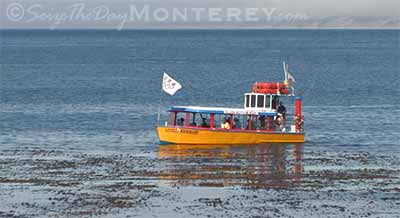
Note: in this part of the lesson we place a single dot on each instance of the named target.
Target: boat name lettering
(236, 112)
(184, 131)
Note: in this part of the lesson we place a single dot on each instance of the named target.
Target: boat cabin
(260, 113)
(257, 101)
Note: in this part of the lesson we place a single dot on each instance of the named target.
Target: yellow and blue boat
(263, 119)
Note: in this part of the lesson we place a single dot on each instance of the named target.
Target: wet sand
(199, 181)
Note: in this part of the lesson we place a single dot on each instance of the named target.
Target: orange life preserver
(271, 91)
(266, 91)
(268, 85)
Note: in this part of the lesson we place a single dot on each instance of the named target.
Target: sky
(126, 14)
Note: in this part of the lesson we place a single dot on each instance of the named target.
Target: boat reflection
(261, 166)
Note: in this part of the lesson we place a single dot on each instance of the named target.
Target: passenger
(225, 124)
(282, 110)
(298, 122)
(262, 121)
(270, 125)
(237, 124)
(204, 122)
(281, 122)
(181, 122)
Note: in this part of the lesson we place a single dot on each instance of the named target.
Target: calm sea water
(87, 88)
(98, 92)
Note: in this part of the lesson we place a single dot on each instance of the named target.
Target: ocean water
(71, 98)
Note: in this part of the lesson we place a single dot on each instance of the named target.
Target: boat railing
(287, 127)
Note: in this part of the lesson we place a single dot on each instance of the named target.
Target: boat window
(275, 102)
(260, 101)
(218, 120)
(247, 101)
(253, 100)
(203, 120)
(267, 101)
(244, 121)
(193, 119)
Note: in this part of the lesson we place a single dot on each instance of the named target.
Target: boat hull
(189, 135)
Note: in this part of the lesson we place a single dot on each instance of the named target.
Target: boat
(261, 120)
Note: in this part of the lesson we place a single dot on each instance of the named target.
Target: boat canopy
(220, 110)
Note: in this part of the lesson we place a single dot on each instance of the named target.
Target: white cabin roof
(222, 110)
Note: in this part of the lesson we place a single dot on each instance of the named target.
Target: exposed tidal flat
(78, 111)
(243, 181)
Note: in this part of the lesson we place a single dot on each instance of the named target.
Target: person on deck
(281, 122)
(237, 124)
(204, 122)
(252, 121)
(225, 124)
(262, 121)
(228, 123)
(181, 122)
(282, 110)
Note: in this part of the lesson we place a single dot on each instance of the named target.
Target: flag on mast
(291, 78)
(169, 85)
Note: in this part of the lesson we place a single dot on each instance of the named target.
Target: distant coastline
(205, 29)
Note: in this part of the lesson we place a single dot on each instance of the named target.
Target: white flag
(291, 78)
(169, 85)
